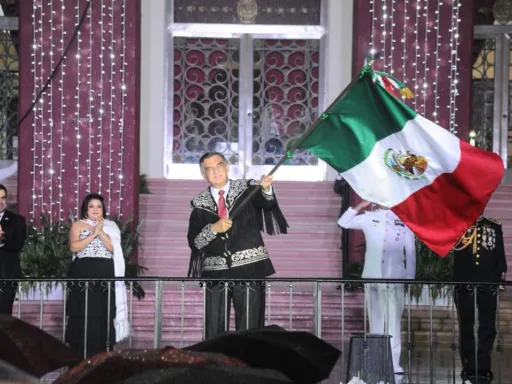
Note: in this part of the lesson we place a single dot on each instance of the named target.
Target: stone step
(420, 339)
(179, 224)
(173, 208)
(164, 187)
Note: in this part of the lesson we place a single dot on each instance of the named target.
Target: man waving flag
(390, 155)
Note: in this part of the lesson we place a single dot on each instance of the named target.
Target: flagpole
(294, 147)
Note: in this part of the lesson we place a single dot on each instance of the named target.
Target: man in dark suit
(232, 248)
(12, 238)
(479, 257)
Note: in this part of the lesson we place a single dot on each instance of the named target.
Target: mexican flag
(390, 155)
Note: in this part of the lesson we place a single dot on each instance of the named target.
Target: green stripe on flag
(348, 130)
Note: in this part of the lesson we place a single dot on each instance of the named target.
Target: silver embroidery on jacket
(205, 237)
(236, 188)
(214, 263)
(248, 256)
(204, 200)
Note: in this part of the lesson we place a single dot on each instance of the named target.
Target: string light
(42, 111)
(90, 99)
(100, 111)
(425, 79)
(49, 152)
(77, 120)
(404, 42)
(416, 53)
(438, 44)
(426, 55)
(383, 34)
(123, 95)
(60, 147)
(112, 113)
(454, 64)
(374, 17)
(62, 122)
(392, 38)
(34, 122)
(472, 136)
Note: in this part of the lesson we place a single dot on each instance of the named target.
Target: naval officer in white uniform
(390, 254)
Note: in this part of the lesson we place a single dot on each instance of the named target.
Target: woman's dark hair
(85, 204)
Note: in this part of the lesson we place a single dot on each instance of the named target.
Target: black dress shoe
(488, 374)
(467, 374)
(484, 377)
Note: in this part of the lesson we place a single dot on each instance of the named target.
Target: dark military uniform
(479, 256)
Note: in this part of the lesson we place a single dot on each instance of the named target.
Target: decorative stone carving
(503, 12)
(247, 10)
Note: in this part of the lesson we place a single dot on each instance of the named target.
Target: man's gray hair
(207, 155)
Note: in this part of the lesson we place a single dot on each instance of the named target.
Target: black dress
(91, 262)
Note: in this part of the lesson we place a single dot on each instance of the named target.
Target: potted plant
(144, 185)
(432, 267)
(46, 254)
(353, 271)
(429, 267)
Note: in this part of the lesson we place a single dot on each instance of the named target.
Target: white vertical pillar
(152, 88)
(339, 53)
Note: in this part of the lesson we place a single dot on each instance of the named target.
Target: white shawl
(121, 323)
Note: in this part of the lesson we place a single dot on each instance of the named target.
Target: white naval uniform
(390, 254)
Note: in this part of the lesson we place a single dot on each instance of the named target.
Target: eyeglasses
(215, 168)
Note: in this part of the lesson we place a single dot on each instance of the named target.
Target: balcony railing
(172, 313)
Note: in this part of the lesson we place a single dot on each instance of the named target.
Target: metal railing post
(157, 332)
(317, 308)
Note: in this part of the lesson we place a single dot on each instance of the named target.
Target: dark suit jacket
(14, 238)
(243, 254)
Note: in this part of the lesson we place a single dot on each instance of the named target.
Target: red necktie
(223, 211)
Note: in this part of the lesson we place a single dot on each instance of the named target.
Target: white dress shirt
(390, 245)
(215, 192)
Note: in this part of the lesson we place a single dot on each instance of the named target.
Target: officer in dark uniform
(479, 256)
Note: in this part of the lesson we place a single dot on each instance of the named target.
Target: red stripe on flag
(440, 213)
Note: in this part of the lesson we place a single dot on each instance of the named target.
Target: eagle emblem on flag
(405, 164)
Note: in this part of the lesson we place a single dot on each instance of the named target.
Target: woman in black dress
(97, 253)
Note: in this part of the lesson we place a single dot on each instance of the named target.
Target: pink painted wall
(84, 135)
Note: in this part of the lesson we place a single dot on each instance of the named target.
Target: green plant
(46, 253)
(431, 267)
(143, 184)
(353, 271)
